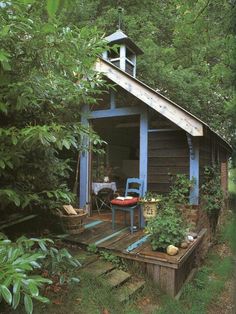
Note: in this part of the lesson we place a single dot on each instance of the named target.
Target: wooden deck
(169, 271)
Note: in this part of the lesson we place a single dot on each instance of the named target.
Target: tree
(188, 51)
(46, 75)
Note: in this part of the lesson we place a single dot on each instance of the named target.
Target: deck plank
(88, 234)
(106, 244)
(126, 241)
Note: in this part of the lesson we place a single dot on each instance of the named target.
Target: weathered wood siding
(205, 156)
(168, 153)
(211, 153)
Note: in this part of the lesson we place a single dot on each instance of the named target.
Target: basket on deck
(73, 223)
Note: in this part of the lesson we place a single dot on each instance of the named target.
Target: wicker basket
(73, 224)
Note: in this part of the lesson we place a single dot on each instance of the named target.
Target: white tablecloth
(97, 186)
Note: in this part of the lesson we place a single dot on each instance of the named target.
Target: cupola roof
(120, 37)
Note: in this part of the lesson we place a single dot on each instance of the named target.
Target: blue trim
(116, 112)
(138, 243)
(194, 169)
(110, 236)
(84, 164)
(143, 149)
(143, 155)
(92, 224)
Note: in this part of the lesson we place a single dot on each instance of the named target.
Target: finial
(120, 12)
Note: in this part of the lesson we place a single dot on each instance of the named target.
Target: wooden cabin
(147, 135)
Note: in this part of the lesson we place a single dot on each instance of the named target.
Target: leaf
(3, 107)
(42, 299)
(28, 304)
(75, 279)
(2, 164)
(16, 286)
(16, 300)
(5, 30)
(33, 289)
(48, 28)
(6, 294)
(52, 6)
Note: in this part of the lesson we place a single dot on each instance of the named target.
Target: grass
(232, 181)
(92, 296)
(207, 284)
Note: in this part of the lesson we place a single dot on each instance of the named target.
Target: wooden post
(105, 55)
(193, 169)
(143, 155)
(84, 163)
(122, 57)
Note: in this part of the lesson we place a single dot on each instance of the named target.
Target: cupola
(125, 56)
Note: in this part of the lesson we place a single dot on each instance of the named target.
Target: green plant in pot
(149, 203)
(167, 228)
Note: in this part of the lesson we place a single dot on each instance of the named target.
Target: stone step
(129, 289)
(85, 258)
(98, 268)
(116, 277)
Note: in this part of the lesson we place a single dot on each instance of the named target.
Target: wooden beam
(166, 108)
(115, 112)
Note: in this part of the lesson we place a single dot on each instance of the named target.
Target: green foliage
(212, 195)
(189, 51)
(117, 261)
(151, 196)
(20, 263)
(180, 188)
(107, 256)
(166, 228)
(204, 289)
(92, 248)
(46, 76)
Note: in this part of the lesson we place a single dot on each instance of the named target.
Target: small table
(97, 187)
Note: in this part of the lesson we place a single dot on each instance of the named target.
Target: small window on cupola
(114, 54)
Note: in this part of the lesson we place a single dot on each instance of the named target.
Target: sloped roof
(119, 37)
(175, 113)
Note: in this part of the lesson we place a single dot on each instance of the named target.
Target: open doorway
(121, 158)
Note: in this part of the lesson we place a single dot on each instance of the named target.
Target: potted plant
(149, 204)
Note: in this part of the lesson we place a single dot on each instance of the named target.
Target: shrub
(166, 228)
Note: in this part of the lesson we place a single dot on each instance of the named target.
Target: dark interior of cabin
(121, 158)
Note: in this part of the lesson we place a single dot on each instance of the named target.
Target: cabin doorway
(121, 158)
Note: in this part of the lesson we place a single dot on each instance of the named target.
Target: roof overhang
(158, 102)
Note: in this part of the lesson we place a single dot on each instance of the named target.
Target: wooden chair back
(134, 185)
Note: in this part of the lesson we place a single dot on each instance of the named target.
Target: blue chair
(133, 186)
